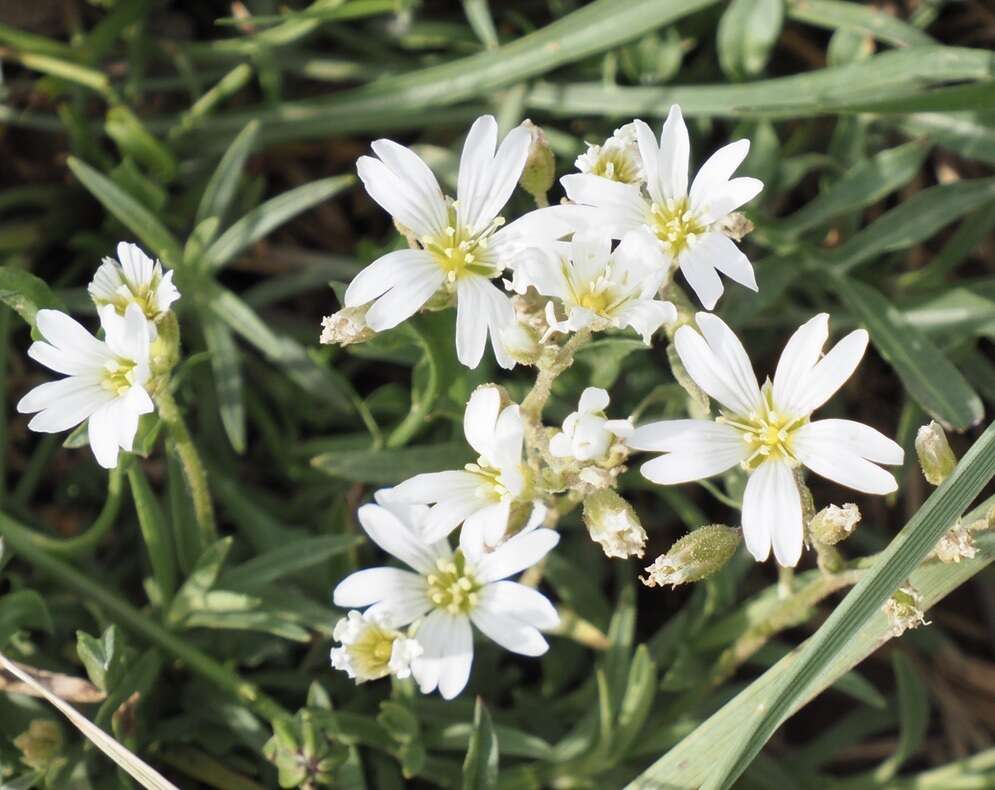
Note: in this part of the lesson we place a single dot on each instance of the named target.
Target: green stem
(193, 467)
(23, 541)
(87, 541)
(422, 403)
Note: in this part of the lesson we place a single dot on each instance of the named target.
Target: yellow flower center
(142, 295)
(119, 376)
(675, 225)
(452, 587)
(459, 251)
(617, 165)
(595, 301)
(371, 652)
(767, 433)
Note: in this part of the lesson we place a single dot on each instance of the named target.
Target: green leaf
(930, 378)
(226, 365)
(26, 294)
(134, 140)
(915, 220)
(155, 533)
(480, 768)
(858, 18)
(290, 559)
(747, 33)
(866, 183)
(386, 467)
(270, 215)
(142, 222)
(193, 594)
(913, 715)
(105, 658)
(224, 181)
(22, 609)
(640, 692)
(890, 569)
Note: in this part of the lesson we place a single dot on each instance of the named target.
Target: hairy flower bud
(346, 327)
(522, 343)
(612, 522)
(935, 456)
(834, 524)
(694, 557)
(957, 543)
(540, 166)
(904, 610)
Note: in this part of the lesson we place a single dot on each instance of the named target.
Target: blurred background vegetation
(222, 137)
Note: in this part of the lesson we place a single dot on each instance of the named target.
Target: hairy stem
(193, 467)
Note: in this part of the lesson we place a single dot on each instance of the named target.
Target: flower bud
(540, 166)
(521, 343)
(612, 522)
(956, 544)
(935, 456)
(370, 650)
(904, 610)
(41, 744)
(834, 524)
(694, 557)
(346, 327)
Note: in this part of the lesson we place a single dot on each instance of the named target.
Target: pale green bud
(540, 166)
(346, 327)
(834, 524)
(904, 610)
(935, 456)
(694, 557)
(521, 342)
(612, 523)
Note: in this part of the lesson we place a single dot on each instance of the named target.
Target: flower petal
(372, 585)
(65, 403)
(675, 155)
(383, 274)
(794, 368)
(728, 198)
(516, 554)
(699, 270)
(621, 207)
(843, 451)
(448, 653)
(727, 258)
(417, 175)
(402, 196)
(718, 363)
(521, 602)
(416, 283)
(714, 175)
(509, 632)
(685, 436)
(397, 538)
(593, 399)
(480, 419)
(832, 371)
(649, 153)
(71, 339)
(488, 524)
(102, 431)
(772, 514)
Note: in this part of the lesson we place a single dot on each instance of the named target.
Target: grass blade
(226, 364)
(221, 187)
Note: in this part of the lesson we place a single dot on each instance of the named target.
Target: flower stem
(193, 467)
(23, 541)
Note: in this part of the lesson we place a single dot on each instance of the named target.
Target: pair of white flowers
(107, 381)
(460, 247)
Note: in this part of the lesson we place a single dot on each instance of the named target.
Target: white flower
(684, 223)
(106, 379)
(617, 159)
(460, 244)
(479, 496)
(448, 591)
(135, 280)
(597, 287)
(371, 649)
(587, 434)
(768, 431)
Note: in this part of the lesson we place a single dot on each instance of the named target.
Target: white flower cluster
(108, 382)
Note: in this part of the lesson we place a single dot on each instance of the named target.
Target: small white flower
(460, 242)
(684, 223)
(598, 287)
(135, 280)
(768, 431)
(587, 434)
(106, 379)
(370, 649)
(446, 591)
(479, 496)
(617, 159)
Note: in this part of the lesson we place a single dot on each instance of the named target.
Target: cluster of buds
(303, 752)
(590, 449)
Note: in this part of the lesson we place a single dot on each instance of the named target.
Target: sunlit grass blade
(226, 365)
(224, 181)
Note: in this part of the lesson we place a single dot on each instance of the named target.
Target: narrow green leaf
(640, 692)
(142, 222)
(22, 609)
(193, 594)
(480, 768)
(26, 294)
(913, 717)
(274, 212)
(915, 220)
(858, 18)
(226, 364)
(478, 14)
(387, 467)
(290, 559)
(891, 568)
(224, 181)
(747, 33)
(930, 378)
(134, 140)
(155, 532)
(865, 184)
